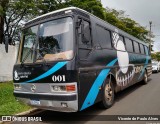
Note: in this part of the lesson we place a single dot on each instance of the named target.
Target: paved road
(136, 100)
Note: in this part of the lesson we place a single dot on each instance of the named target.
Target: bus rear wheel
(145, 78)
(108, 94)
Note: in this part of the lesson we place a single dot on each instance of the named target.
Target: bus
(69, 60)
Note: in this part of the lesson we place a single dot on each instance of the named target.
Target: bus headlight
(63, 88)
(17, 86)
(58, 88)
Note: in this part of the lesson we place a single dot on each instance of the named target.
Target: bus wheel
(145, 78)
(108, 94)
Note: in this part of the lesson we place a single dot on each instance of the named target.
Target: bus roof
(56, 11)
(76, 8)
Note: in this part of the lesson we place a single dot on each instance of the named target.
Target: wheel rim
(108, 92)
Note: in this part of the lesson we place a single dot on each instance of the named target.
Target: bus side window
(120, 47)
(129, 45)
(84, 39)
(84, 33)
(104, 37)
(142, 49)
(136, 47)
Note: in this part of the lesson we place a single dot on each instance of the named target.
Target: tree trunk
(4, 4)
(1, 29)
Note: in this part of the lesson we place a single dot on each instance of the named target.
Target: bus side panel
(141, 63)
(91, 80)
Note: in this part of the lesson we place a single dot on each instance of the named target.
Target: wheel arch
(113, 78)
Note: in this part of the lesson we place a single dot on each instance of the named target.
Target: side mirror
(6, 44)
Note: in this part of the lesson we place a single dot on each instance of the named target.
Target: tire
(108, 95)
(145, 78)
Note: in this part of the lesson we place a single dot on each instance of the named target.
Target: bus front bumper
(55, 102)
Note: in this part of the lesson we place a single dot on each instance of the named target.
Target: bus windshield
(49, 41)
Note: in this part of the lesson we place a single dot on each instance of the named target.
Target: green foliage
(1, 10)
(18, 10)
(156, 56)
(118, 19)
(8, 103)
(46, 6)
(153, 56)
(92, 6)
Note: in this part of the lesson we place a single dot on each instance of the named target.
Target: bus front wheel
(108, 94)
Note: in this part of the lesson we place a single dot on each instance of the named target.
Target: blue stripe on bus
(92, 95)
(146, 63)
(55, 68)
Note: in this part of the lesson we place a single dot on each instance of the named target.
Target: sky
(142, 11)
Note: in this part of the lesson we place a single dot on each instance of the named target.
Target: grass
(8, 103)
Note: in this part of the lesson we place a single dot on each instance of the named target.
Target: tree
(156, 56)
(122, 21)
(12, 12)
(16, 12)
(46, 6)
(153, 56)
(3, 6)
(92, 6)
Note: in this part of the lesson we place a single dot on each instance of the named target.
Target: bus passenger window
(104, 37)
(84, 34)
(142, 49)
(129, 45)
(121, 46)
(136, 47)
(84, 39)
